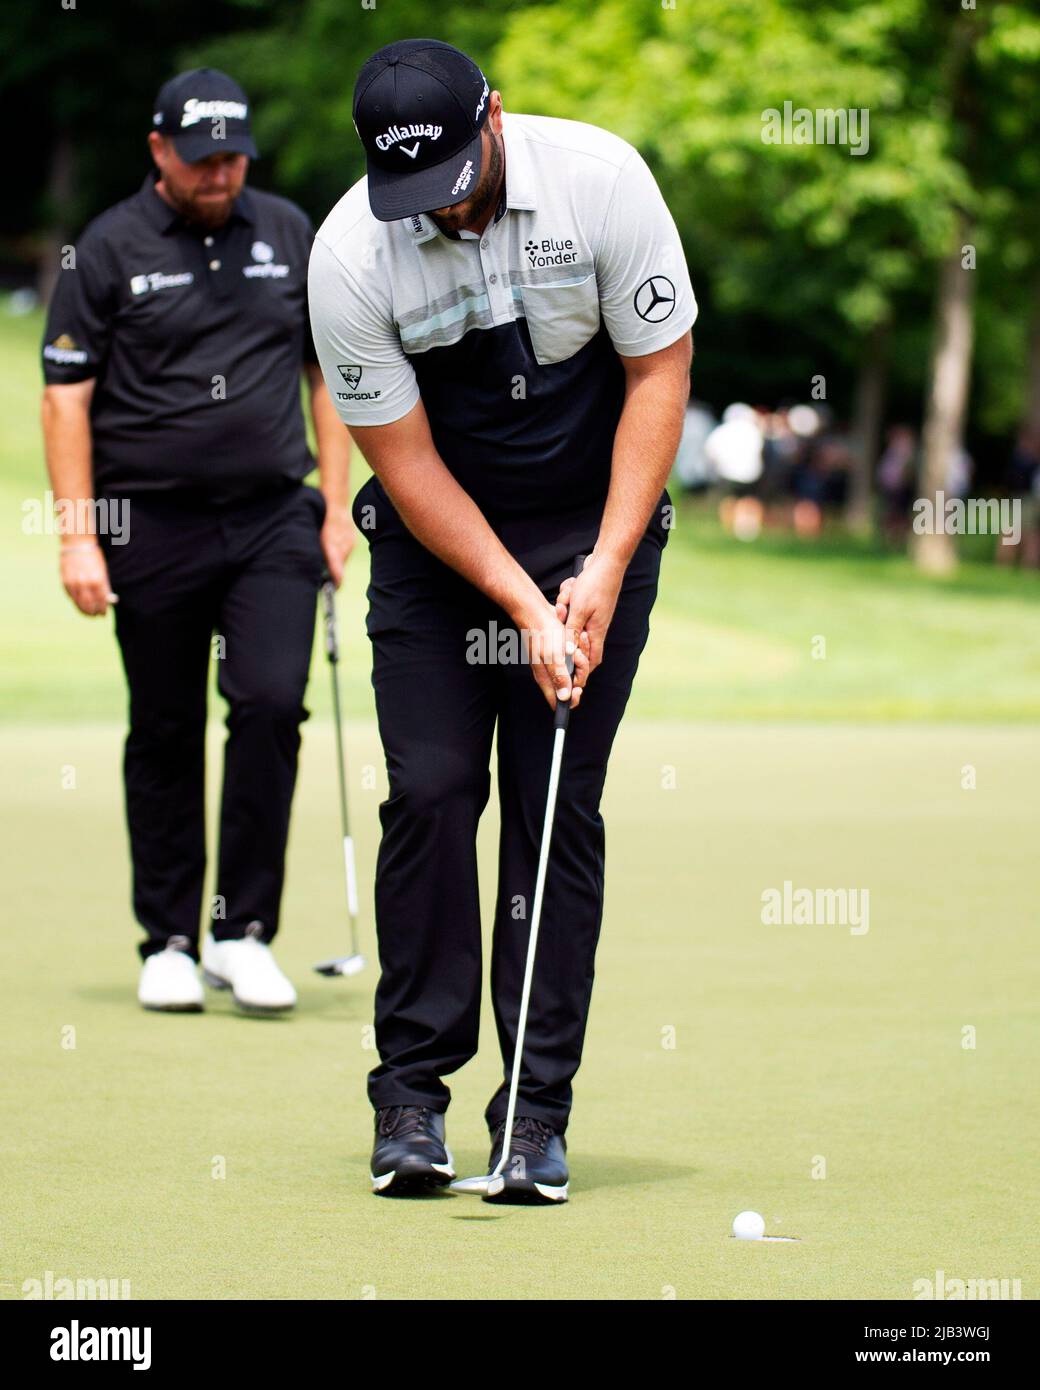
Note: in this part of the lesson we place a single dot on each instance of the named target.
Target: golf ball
(749, 1226)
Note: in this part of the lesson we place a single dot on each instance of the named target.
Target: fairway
(792, 1044)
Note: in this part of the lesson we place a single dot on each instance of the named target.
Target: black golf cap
(419, 107)
(204, 112)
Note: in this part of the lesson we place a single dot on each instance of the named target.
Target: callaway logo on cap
(204, 112)
(419, 106)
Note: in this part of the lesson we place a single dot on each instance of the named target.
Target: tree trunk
(949, 375)
(61, 185)
(867, 414)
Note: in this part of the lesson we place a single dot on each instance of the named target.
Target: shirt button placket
(496, 282)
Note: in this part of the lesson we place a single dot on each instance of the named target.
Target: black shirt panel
(196, 339)
(532, 445)
(520, 438)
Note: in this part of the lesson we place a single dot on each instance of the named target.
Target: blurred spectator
(959, 473)
(691, 462)
(734, 451)
(781, 451)
(791, 468)
(896, 473)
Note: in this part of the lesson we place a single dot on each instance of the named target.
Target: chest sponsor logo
(144, 284)
(463, 180)
(398, 134)
(264, 267)
(654, 300)
(64, 351)
(551, 251)
(351, 375)
(195, 111)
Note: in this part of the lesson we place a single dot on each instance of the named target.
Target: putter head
(489, 1186)
(342, 965)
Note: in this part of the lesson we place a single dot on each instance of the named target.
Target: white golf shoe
(169, 981)
(248, 969)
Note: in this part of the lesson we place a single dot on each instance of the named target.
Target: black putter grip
(328, 604)
(563, 707)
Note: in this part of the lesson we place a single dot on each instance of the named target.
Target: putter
(494, 1182)
(355, 962)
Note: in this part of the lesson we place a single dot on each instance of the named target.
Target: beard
(200, 211)
(475, 207)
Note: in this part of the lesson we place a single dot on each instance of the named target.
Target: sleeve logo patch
(65, 351)
(351, 375)
(654, 300)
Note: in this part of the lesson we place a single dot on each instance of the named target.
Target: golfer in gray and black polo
(502, 313)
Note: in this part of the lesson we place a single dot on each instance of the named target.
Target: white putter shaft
(355, 962)
(350, 866)
(493, 1183)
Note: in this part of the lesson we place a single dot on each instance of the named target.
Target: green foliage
(804, 247)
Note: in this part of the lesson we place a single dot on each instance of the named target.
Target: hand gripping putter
(355, 962)
(494, 1183)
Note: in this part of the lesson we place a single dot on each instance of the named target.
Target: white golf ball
(749, 1226)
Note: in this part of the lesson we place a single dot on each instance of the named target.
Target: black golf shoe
(536, 1169)
(410, 1156)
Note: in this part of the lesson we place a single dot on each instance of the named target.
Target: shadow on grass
(591, 1172)
(326, 1006)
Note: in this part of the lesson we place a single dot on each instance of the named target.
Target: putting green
(794, 1046)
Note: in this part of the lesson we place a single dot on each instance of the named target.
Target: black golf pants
(238, 581)
(438, 713)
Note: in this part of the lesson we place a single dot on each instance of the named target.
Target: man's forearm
(645, 446)
(446, 520)
(443, 517)
(68, 451)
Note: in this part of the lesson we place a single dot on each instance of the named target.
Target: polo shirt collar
(520, 192)
(519, 183)
(420, 228)
(156, 209)
(167, 219)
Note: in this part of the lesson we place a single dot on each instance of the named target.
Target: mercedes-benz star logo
(655, 299)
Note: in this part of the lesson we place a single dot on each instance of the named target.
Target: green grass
(791, 1043)
(733, 629)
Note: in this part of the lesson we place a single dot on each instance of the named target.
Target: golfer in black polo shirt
(503, 311)
(177, 451)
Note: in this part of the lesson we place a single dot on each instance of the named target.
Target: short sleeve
(79, 319)
(646, 298)
(365, 368)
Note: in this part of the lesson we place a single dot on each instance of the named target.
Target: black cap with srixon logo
(419, 107)
(204, 112)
